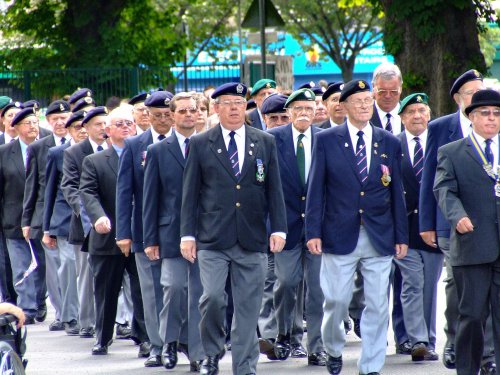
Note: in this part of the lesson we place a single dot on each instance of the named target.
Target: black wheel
(10, 363)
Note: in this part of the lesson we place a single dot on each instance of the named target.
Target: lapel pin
(383, 156)
(219, 151)
(375, 152)
(375, 144)
(346, 144)
(250, 152)
(251, 144)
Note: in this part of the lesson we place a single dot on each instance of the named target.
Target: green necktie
(301, 159)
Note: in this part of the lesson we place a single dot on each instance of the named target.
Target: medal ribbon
(482, 156)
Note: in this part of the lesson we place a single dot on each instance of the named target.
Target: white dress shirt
(94, 145)
(411, 143)
(367, 137)
(395, 119)
(181, 139)
(155, 134)
(307, 143)
(465, 124)
(239, 138)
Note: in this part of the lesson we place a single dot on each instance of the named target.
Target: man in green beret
(261, 90)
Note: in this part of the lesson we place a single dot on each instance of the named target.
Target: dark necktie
(361, 157)
(161, 137)
(99, 148)
(418, 159)
(488, 153)
(63, 140)
(186, 148)
(388, 125)
(232, 150)
(12, 139)
(301, 159)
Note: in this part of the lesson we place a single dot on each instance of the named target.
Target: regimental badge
(361, 85)
(386, 175)
(419, 99)
(488, 168)
(89, 94)
(307, 94)
(167, 101)
(260, 175)
(35, 106)
(375, 144)
(268, 85)
(239, 88)
(312, 84)
(34, 110)
(106, 110)
(88, 100)
(341, 87)
(17, 104)
(61, 107)
(143, 157)
(497, 185)
(148, 95)
(476, 73)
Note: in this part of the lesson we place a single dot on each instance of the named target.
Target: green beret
(4, 100)
(302, 94)
(263, 84)
(418, 97)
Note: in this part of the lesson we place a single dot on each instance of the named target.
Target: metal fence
(48, 85)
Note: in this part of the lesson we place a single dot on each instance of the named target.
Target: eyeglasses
(488, 112)
(183, 111)
(469, 92)
(385, 92)
(282, 118)
(411, 112)
(77, 127)
(359, 103)
(232, 103)
(29, 123)
(123, 123)
(299, 109)
(159, 116)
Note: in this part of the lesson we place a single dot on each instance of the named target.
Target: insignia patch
(476, 73)
(268, 85)
(239, 88)
(61, 107)
(88, 100)
(419, 99)
(307, 94)
(361, 85)
(106, 110)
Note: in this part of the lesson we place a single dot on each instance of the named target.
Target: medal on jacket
(386, 176)
(260, 176)
(497, 185)
(488, 168)
(143, 158)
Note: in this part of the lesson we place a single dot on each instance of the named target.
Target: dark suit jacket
(222, 211)
(255, 120)
(70, 185)
(129, 190)
(463, 188)
(12, 181)
(56, 211)
(442, 130)
(34, 190)
(163, 196)
(324, 125)
(338, 201)
(412, 191)
(97, 189)
(293, 191)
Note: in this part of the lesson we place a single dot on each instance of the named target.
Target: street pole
(262, 19)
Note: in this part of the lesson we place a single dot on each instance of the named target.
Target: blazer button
(303, 215)
(238, 187)
(361, 211)
(362, 193)
(415, 211)
(303, 198)
(238, 204)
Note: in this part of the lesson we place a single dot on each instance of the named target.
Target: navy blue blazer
(56, 211)
(293, 191)
(337, 201)
(255, 120)
(161, 211)
(129, 190)
(412, 191)
(442, 130)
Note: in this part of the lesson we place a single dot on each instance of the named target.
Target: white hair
(123, 112)
(387, 71)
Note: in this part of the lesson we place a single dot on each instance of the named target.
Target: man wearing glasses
(231, 188)
(356, 218)
(336, 112)
(140, 112)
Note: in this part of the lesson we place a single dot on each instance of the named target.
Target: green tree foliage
(341, 28)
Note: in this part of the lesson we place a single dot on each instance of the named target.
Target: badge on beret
(341, 87)
(419, 99)
(106, 110)
(307, 94)
(239, 88)
(167, 101)
(34, 110)
(476, 73)
(268, 85)
(88, 100)
(61, 107)
(361, 85)
(17, 104)
(35, 106)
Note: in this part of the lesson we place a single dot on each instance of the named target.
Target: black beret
(82, 103)
(22, 114)
(79, 94)
(353, 87)
(470, 75)
(58, 106)
(138, 98)
(251, 104)
(483, 98)
(274, 103)
(159, 99)
(231, 88)
(332, 89)
(32, 104)
(11, 105)
(97, 111)
(76, 116)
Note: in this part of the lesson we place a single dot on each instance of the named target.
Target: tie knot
(301, 136)
(416, 139)
(63, 140)
(99, 148)
(388, 116)
(360, 133)
(186, 141)
(161, 137)
(488, 141)
(232, 133)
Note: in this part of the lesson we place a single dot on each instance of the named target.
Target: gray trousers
(85, 287)
(152, 298)
(53, 264)
(248, 271)
(66, 275)
(125, 309)
(420, 272)
(291, 268)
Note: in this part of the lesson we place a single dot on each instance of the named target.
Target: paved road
(55, 353)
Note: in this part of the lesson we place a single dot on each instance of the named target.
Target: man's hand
(464, 225)
(102, 225)
(125, 246)
(26, 233)
(314, 246)
(48, 241)
(401, 250)
(276, 243)
(152, 252)
(429, 238)
(188, 250)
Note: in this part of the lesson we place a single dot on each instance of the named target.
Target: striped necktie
(418, 159)
(388, 125)
(232, 150)
(361, 157)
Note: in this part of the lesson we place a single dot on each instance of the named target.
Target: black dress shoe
(431, 355)
(41, 313)
(418, 352)
(195, 366)
(298, 351)
(123, 331)
(489, 368)
(357, 326)
(72, 328)
(144, 349)
(449, 357)
(266, 346)
(210, 365)
(99, 349)
(317, 359)
(183, 348)
(87, 332)
(282, 347)
(404, 348)
(371, 373)
(333, 364)
(169, 355)
(56, 325)
(153, 361)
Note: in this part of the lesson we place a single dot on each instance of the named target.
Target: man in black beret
(467, 188)
(79, 93)
(274, 111)
(140, 112)
(336, 112)
(261, 90)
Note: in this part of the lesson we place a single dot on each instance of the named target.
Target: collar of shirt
(72, 142)
(239, 138)
(155, 134)
(307, 143)
(411, 142)
(118, 150)
(57, 139)
(367, 137)
(262, 122)
(493, 146)
(296, 133)
(333, 124)
(395, 119)
(23, 145)
(94, 145)
(465, 125)
(138, 130)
